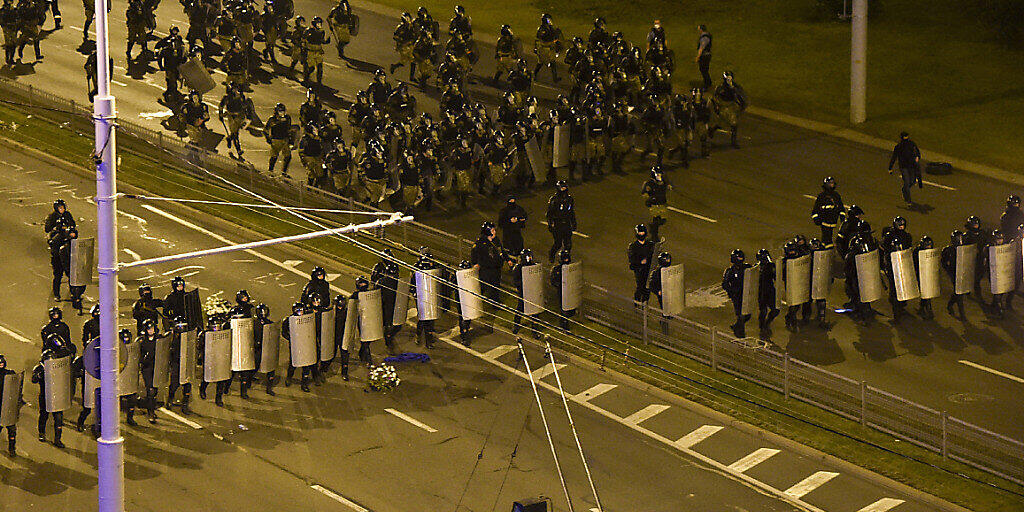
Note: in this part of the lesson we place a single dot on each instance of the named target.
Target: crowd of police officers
(892, 265)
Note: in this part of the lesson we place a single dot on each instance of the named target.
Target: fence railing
(795, 379)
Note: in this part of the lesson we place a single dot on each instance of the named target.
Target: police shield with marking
(427, 307)
(128, 377)
(904, 275)
(468, 281)
(57, 373)
(821, 273)
(162, 362)
(560, 154)
(1001, 268)
(195, 75)
(371, 318)
(80, 272)
(243, 354)
(869, 281)
(327, 345)
(401, 314)
(536, 159)
(189, 356)
(966, 265)
(10, 397)
(749, 293)
(572, 285)
(302, 339)
(928, 273)
(798, 280)
(673, 293)
(217, 358)
(533, 289)
(270, 348)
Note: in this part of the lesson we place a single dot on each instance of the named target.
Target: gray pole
(110, 447)
(858, 62)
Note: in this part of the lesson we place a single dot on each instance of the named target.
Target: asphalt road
(342, 448)
(758, 196)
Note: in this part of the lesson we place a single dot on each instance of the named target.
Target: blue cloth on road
(408, 356)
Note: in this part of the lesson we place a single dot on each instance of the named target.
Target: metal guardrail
(796, 380)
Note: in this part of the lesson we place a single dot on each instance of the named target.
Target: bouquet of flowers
(383, 377)
(216, 308)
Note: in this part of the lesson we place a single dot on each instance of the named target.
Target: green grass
(745, 401)
(932, 69)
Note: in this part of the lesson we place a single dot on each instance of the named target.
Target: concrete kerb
(637, 384)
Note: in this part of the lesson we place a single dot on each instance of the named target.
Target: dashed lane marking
(943, 187)
(754, 458)
(410, 419)
(691, 214)
(15, 335)
(801, 488)
(992, 371)
(812, 198)
(180, 418)
(645, 414)
(546, 370)
(577, 233)
(595, 391)
(337, 497)
(882, 505)
(698, 435)
(135, 256)
(500, 350)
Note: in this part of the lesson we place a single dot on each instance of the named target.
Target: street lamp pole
(110, 447)
(858, 62)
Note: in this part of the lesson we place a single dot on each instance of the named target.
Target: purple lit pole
(110, 448)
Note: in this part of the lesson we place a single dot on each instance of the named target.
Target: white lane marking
(330, 65)
(992, 371)
(646, 413)
(180, 418)
(224, 240)
(115, 82)
(15, 335)
(135, 256)
(410, 419)
(754, 458)
(577, 233)
(331, 277)
(691, 214)
(121, 286)
(882, 505)
(292, 263)
(752, 483)
(801, 488)
(546, 370)
(337, 497)
(812, 198)
(932, 183)
(156, 115)
(500, 350)
(595, 391)
(219, 437)
(698, 435)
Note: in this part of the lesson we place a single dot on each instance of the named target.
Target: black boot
(305, 384)
(57, 431)
(10, 447)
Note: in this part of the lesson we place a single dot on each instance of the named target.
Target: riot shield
(327, 344)
(904, 276)
(1001, 272)
(533, 289)
(302, 339)
(348, 337)
(470, 304)
(89, 391)
(217, 356)
(869, 281)
(673, 293)
(537, 164)
(243, 344)
(966, 266)
(193, 310)
(821, 274)
(128, 377)
(353, 24)
(80, 273)
(196, 76)
(798, 280)
(572, 285)
(271, 348)
(401, 314)
(749, 293)
(560, 154)
(10, 399)
(187, 357)
(427, 307)
(371, 318)
(928, 272)
(162, 362)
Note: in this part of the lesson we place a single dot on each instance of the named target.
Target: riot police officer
(521, 318)
(512, 221)
(424, 328)
(278, 132)
(71, 233)
(730, 101)
(561, 218)
(384, 276)
(170, 54)
(57, 239)
(55, 326)
(12, 430)
(828, 210)
(314, 41)
(861, 242)
(53, 348)
(60, 217)
(147, 363)
(895, 239)
(974, 234)
(1012, 217)
(925, 304)
(317, 283)
(847, 229)
(640, 252)
(656, 189)
(820, 305)
(243, 308)
(214, 323)
(263, 318)
(488, 257)
(342, 20)
(949, 263)
(340, 318)
(999, 300)
(179, 331)
(564, 258)
(732, 283)
(547, 45)
(766, 310)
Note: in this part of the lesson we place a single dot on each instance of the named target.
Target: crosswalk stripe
(595, 391)
(546, 370)
(645, 414)
(882, 505)
(499, 351)
(754, 458)
(801, 488)
(697, 436)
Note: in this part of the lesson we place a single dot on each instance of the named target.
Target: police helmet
(242, 296)
(816, 244)
(562, 185)
(956, 237)
(317, 20)
(3, 362)
(1013, 201)
(564, 256)
(998, 237)
(125, 336)
(899, 222)
(526, 256)
(464, 264)
(362, 283)
(95, 311)
(764, 257)
(737, 256)
(148, 324)
(854, 210)
(318, 273)
(926, 242)
(178, 280)
(145, 290)
(973, 222)
(55, 313)
(262, 311)
(640, 230)
(829, 182)
(656, 172)
(59, 203)
(280, 108)
(664, 259)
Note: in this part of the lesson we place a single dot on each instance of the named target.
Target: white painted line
(293, 263)
(121, 286)
(331, 277)
(115, 82)
(15, 335)
(577, 233)
(993, 372)
(932, 183)
(546, 370)
(754, 458)
(135, 256)
(595, 391)
(330, 65)
(412, 420)
(812, 198)
(499, 351)
(691, 214)
(180, 418)
(702, 433)
(882, 505)
(337, 497)
(801, 488)
(218, 436)
(645, 414)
